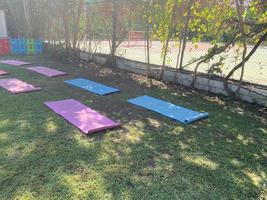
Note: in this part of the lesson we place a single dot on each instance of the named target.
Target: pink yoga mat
(2, 72)
(46, 71)
(81, 116)
(16, 86)
(14, 62)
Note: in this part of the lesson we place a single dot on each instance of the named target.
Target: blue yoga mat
(92, 86)
(167, 109)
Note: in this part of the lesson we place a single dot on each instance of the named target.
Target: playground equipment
(24, 46)
(4, 47)
(137, 38)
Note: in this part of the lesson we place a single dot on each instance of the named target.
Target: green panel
(30, 46)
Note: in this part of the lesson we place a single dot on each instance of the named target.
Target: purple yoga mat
(46, 71)
(2, 72)
(14, 62)
(81, 116)
(16, 86)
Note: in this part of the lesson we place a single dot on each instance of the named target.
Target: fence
(255, 72)
(255, 69)
(209, 84)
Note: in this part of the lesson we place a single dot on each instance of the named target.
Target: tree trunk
(177, 62)
(243, 38)
(148, 53)
(27, 17)
(76, 24)
(185, 32)
(260, 41)
(112, 58)
(168, 39)
(66, 18)
(13, 14)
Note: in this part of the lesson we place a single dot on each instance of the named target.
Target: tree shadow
(150, 157)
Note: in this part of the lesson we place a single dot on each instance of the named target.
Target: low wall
(202, 83)
(213, 85)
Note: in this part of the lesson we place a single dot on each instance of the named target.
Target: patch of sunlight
(134, 135)
(84, 142)
(183, 146)
(114, 140)
(239, 110)
(263, 175)
(255, 179)
(262, 130)
(191, 140)
(236, 163)
(135, 132)
(257, 156)
(106, 154)
(104, 72)
(11, 151)
(244, 141)
(23, 195)
(50, 127)
(21, 149)
(126, 195)
(166, 156)
(160, 167)
(153, 122)
(27, 149)
(140, 180)
(215, 100)
(137, 123)
(225, 125)
(24, 125)
(4, 123)
(178, 130)
(139, 79)
(240, 137)
(201, 161)
(4, 137)
(80, 183)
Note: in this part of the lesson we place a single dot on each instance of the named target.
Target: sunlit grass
(201, 162)
(149, 157)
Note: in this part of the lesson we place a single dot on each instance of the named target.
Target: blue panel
(167, 109)
(92, 86)
(38, 46)
(14, 46)
(23, 46)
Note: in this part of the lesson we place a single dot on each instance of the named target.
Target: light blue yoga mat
(92, 86)
(167, 109)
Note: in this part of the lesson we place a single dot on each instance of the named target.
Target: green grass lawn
(150, 157)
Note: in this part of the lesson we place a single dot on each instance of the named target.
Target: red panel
(4, 47)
